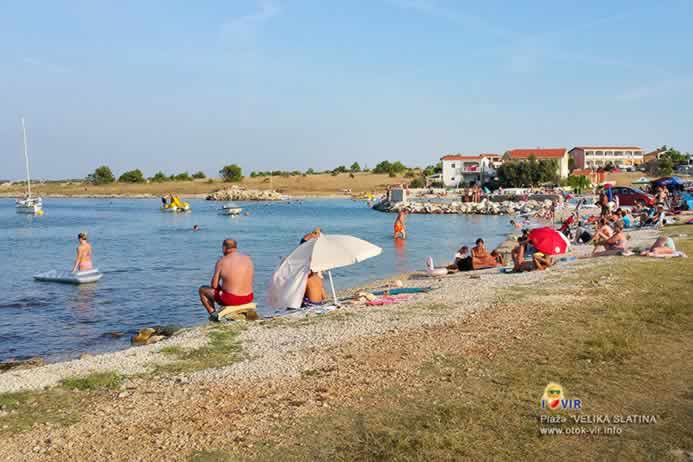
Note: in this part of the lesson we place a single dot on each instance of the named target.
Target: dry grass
(622, 346)
(322, 184)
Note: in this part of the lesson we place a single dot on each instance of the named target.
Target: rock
(123, 394)
(235, 193)
(84, 356)
(22, 364)
(166, 331)
(154, 339)
(143, 335)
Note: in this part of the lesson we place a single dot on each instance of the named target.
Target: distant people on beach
(538, 261)
(83, 260)
(613, 245)
(315, 290)
(481, 258)
(232, 282)
(462, 260)
(400, 228)
(663, 246)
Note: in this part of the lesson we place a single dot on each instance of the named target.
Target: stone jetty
(236, 193)
(485, 207)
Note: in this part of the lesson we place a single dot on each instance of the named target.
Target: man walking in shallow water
(232, 282)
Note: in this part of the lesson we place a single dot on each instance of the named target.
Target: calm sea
(153, 263)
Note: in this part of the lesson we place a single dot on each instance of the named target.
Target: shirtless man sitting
(232, 282)
(315, 290)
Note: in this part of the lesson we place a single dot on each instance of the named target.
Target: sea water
(153, 262)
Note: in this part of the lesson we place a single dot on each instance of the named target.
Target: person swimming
(195, 228)
(83, 260)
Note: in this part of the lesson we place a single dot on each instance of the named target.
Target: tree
(159, 177)
(579, 183)
(665, 166)
(132, 176)
(340, 169)
(199, 175)
(185, 176)
(310, 171)
(383, 167)
(429, 170)
(232, 173)
(355, 167)
(418, 182)
(102, 175)
(571, 164)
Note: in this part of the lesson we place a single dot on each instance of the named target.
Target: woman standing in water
(400, 228)
(83, 261)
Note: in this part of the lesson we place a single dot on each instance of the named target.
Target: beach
(282, 374)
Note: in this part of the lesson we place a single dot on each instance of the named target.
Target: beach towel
(676, 254)
(388, 300)
(403, 290)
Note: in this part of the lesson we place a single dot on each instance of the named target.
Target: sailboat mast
(26, 158)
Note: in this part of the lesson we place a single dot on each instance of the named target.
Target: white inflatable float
(431, 270)
(68, 277)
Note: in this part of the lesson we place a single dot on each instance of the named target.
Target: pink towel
(388, 300)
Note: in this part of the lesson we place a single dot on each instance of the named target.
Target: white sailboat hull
(31, 205)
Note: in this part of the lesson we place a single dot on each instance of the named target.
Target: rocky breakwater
(235, 193)
(485, 207)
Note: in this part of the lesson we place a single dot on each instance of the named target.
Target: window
(618, 153)
(600, 153)
(452, 165)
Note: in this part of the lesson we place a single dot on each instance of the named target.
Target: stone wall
(485, 207)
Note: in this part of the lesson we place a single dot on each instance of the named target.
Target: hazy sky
(291, 84)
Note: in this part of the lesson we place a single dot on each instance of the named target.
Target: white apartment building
(593, 157)
(461, 171)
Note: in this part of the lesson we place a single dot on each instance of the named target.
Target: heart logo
(553, 404)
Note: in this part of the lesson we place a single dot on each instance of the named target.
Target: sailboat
(29, 204)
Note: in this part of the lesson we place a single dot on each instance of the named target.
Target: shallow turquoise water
(153, 263)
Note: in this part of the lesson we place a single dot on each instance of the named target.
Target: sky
(177, 86)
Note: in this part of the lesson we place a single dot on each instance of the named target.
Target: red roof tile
(463, 157)
(460, 157)
(539, 153)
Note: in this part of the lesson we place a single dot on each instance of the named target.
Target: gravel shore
(286, 347)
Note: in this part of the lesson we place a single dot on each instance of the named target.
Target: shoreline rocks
(235, 193)
(485, 207)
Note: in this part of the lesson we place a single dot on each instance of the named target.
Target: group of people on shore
(233, 278)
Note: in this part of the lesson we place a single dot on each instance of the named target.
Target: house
(653, 155)
(594, 157)
(560, 155)
(460, 170)
(593, 176)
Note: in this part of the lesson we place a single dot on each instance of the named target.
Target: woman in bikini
(400, 228)
(614, 245)
(83, 261)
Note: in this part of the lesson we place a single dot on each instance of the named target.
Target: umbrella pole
(334, 294)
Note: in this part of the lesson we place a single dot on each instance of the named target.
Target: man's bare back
(235, 274)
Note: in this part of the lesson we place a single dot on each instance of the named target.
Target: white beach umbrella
(324, 253)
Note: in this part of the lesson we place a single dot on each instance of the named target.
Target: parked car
(628, 196)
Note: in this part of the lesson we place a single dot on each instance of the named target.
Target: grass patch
(222, 349)
(616, 335)
(22, 411)
(174, 350)
(92, 382)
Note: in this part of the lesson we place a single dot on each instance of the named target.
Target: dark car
(628, 196)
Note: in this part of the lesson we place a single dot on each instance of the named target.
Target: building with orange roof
(560, 155)
(593, 157)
